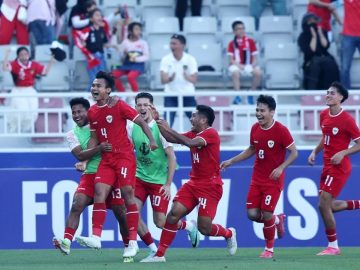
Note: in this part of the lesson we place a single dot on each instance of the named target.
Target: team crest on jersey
(335, 130)
(271, 143)
(109, 119)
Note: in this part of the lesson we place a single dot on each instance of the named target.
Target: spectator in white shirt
(178, 72)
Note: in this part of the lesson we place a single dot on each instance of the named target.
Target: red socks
(132, 219)
(167, 237)
(218, 230)
(331, 234)
(69, 233)
(147, 239)
(269, 232)
(182, 225)
(353, 205)
(98, 218)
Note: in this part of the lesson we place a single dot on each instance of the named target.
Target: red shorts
(117, 167)
(87, 187)
(207, 196)
(144, 189)
(263, 197)
(333, 179)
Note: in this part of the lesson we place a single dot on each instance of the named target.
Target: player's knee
(159, 223)
(77, 207)
(254, 216)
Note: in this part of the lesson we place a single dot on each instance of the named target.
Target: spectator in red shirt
(24, 72)
(242, 58)
(350, 39)
(323, 9)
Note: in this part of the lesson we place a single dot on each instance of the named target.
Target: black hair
(80, 101)
(234, 24)
(109, 79)
(22, 48)
(131, 27)
(208, 112)
(89, 3)
(268, 100)
(341, 90)
(92, 12)
(180, 38)
(144, 95)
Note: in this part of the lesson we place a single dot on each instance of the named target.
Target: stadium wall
(37, 189)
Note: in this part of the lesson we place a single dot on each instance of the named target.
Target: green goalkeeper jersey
(151, 166)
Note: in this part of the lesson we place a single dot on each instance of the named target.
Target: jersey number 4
(103, 132)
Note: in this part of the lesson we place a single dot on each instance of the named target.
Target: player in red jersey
(269, 141)
(108, 124)
(338, 128)
(205, 185)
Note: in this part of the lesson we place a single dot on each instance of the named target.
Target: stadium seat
(109, 6)
(226, 28)
(80, 76)
(209, 58)
(200, 29)
(52, 122)
(58, 77)
(277, 29)
(155, 81)
(151, 9)
(156, 54)
(355, 71)
(299, 8)
(6, 80)
(281, 66)
(159, 30)
(231, 8)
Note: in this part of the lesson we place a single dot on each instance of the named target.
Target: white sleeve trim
(356, 139)
(290, 144)
(202, 139)
(135, 117)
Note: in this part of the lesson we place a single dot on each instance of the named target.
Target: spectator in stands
(178, 72)
(120, 28)
(41, 19)
(24, 72)
(323, 9)
(181, 8)
(79, 15)
(242, 59)
(61, 8)
(350, 39)
(258, 6)
(135, 52)
(13, 19)
(320, 68)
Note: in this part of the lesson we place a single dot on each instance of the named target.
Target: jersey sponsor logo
(271, 143)
(335, 130)
(109, 119)
(144, 149)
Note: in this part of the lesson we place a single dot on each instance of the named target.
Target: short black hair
(144, 95)
(180, 38)
(22, 48)
(341, 90)
(234, 24)
(109, 79)
(132, 25)
(80, 101)
(92, 12)
(268, 100)
(208, 112)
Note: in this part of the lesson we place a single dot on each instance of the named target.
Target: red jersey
(351, 18)
(24, 76)
(110, 125)
(270, 145)
(244, 52)
(338, 131)
(323, 13)
(205, 160)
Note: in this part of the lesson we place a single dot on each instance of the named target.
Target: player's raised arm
(144, 126)
(317, 149)
(247, 153)
(276, 173)
(172, 136)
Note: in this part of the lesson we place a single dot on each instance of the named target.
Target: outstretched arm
(249, 152)
(275, 174)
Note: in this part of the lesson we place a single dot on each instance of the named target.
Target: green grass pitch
(180, 259)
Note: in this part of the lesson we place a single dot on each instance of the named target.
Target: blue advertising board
(37, 190)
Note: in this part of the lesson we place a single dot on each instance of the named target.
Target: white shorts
(247, 71)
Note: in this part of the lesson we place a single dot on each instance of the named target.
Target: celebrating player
(269, 141)
(78, 139)
(154, 174)
(109, 125)
(338, 129)
(205, 185)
